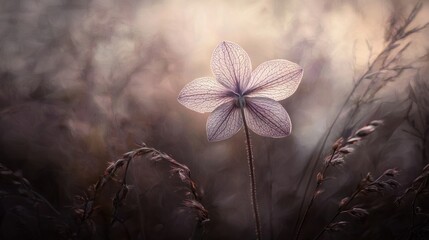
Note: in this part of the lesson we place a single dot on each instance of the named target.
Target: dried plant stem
(193, 200)
(340, 209)
(343, 206)
(372, 73)
(46, 202)
(413, 206)
(27, 188)
(413, 217)
(120, 194)
(325, 139)
(252, 175)
(315, 193)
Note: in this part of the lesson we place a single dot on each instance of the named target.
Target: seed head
(344, 201)
(353, 140)
(391, 172)
(376, 123)
(365, 131)
(357, 212)
(346, 150)
(319, 177)
(337, 144)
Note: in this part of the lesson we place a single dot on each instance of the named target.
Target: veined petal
(224, 122)
(267, 117)
(275, 79)
(203, 95)
(231, 66)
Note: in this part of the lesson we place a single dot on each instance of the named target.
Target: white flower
(235, 86)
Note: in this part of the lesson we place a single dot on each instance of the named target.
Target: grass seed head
(365, 131)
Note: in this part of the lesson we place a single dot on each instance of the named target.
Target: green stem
(252, 175)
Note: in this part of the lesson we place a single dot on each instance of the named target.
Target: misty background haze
(82, 82)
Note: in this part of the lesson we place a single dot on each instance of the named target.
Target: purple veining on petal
(267, 117)
(275, 79)
(235, 86)
(204, 95)
(231, 66)
(224, 122)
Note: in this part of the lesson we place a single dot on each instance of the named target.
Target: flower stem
(252, 175)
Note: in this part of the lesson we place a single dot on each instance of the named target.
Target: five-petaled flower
(235, 88)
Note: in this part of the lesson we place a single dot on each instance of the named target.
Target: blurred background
(82, 82)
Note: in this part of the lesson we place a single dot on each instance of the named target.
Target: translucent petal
(267, 117)
(203, 95)
(275, 79)
(224, 122)
(231, 66)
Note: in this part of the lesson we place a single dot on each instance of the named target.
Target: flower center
(240, 101)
